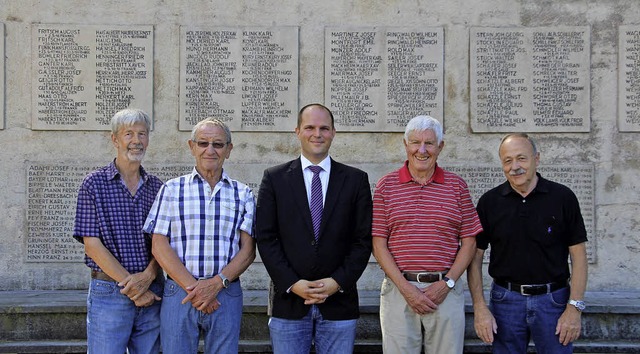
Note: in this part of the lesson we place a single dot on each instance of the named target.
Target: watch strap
(225, 280)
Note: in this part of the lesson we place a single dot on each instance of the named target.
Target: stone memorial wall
(629, 78)
(52, 193)
(530, 79)
(83, 74)
(1, 75)
(246, 76)
(376, 79)
(565, 72)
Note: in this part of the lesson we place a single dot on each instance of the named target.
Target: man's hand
(569, 325)
(485, 324)
(419, 302)
(203, 295)
(313, 292)
(146, 299)
(437, 291)
(135, 285)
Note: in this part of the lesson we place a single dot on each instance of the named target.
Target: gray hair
(422, 123)
(128, 117)
(213, 121)
(519, 135)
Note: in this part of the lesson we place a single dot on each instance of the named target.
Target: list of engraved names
(82, 75)
(377, 79)
(629, 79)
(247, 77)
(532, 79)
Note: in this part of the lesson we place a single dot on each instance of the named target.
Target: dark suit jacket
(284, 235)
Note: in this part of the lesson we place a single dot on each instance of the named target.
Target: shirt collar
(405, 175)
(541, 187)
(112, 172)
(325, 164)
(194, 174)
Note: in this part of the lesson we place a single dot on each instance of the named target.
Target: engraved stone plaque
(2, 76)
(377, 79)
(530, 79)
(83, 74)
(579, 178)
(245, 76)
(52, 191)
(629, 78)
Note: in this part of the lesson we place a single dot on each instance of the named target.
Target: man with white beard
(123, 312)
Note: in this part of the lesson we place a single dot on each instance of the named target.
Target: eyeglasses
(205, 144)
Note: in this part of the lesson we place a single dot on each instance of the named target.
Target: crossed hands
(315, 292)
(136, 288)
(425, 300)
(203, 295)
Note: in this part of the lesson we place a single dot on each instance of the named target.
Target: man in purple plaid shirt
(123, 312)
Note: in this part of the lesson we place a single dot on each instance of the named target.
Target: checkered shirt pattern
(106, 209)
(203, 225)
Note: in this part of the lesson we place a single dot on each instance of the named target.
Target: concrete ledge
(255, 301)
(54, 322)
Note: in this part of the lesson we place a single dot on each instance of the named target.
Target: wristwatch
(450, 282)
(579, 304)
(225, 280)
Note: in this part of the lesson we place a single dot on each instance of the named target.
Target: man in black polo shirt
(533, 225)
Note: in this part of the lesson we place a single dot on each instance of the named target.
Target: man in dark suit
(315, 247)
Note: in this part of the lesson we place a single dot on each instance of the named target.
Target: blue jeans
(181, 324)
(296, 336)
(115, 324)
(521, 317)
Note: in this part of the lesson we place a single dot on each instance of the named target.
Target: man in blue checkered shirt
(202, 226)
(123, 312)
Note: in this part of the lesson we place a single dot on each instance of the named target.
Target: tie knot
(315, 169)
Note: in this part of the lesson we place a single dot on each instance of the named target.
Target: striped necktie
(316, 200)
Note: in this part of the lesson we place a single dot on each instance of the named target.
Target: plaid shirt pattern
(203, 224)
(106, 209)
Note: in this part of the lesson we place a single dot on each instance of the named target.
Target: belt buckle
(426, 274)
(523, 288)
(535, 286)
(419, 275)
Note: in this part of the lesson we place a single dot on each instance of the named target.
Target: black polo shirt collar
(541, 187)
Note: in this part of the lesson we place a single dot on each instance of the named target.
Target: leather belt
(424, 277)
(101, 276)
(532, 289)
(233, 281)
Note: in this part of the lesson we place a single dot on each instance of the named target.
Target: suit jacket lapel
(336, 182)
(295, 180)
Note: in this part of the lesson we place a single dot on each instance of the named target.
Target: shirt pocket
(549, 229)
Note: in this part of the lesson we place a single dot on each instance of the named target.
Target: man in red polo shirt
(424, 228)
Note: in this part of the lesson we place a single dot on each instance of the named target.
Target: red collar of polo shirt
(405, 175)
